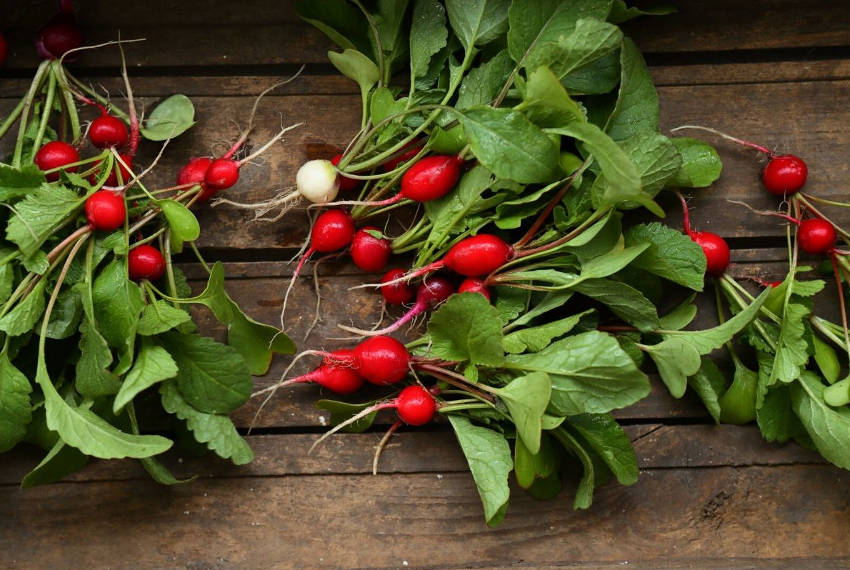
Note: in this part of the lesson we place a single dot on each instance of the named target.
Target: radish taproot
(107, 131)
(55, 155)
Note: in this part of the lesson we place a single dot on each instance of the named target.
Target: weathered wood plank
(423, 520)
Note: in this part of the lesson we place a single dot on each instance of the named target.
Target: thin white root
(315, 320)
(275, 387)
(353, 419)
(282, 201)
(269, 144)
(382, 444)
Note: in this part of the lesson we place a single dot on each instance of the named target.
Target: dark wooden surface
(777, 72)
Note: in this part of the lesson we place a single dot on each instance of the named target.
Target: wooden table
(777, 72)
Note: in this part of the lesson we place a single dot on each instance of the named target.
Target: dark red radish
(382, 360)
(474, 285)
(145, 262)
(431, 177)
(816, 236)
(112, 179)
(59, 36)
(784, 174)
(105, 210)
(107, 131)
(195, 172)
(399, 292)
(715, 248)
(4, 48)
(346, 184)
(336, 373)
(56, 154)
(416, 406)
(431, 293)
(221, 174)
(370, 253)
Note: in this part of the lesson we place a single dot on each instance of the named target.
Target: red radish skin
(715, 248)
(431, 177)
(107, 131)
(393, 163)
(145, 262)
(784, 174)
(431, 293)
(382, 360)
(473, 285)
(59, 36)
(346, 184)
(4, 48)
(222, 174)
(336, 373)
(398, 293)
(105, 210)
(194, 172)
(56, 154)
(478, 255)
(369, 253)
(112, 179)
(415, 406)
(816, 236)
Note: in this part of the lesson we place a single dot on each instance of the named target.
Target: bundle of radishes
(527, 133)
(94, 315)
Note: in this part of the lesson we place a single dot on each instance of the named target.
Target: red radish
(784, 174)
(368, 252)
(382, 360)
(107, 131)
(336, 373)
(145, 262)
(56, 154)
(195, 172)
(112, 179)
(59, 36)
(431, 177)
(414, 148)
(816, 236)
(416, 406)
(221, 174)
(431, 293)
(473, 285)
(715, 248)
(105, 210)
(346, 184)
(399, 292)
(4, 48)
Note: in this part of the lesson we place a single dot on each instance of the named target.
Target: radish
(56, 154)
(474, 285)
(107, 131)
(399, 292)
(4, 48)
(59, 36)
(194, 172)
(816, 236)
(431, 293)
(346, 184)
(336, 373)
(317, 181)
(783, 175)
(112, 179)
(221, 174)
(145, 262)
(413, 148)
(715, 248)
(368, 252)
(105, 210)
(381, 360)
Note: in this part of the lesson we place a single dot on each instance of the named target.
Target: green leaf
(7, 281)
(182, 222)
(15, 411)
(26, 313)
(620, 12)
(738, 403)
(93, 378)
(681, 316)
(18, 182)
(605, 436)
(356, 67)
(212, 377)
(826, 359)
(526, 398)
(153, 364)
(341, 411)
(709, 383)
(428, 34)
(597, 78)
(216, 431)
(256, 342)
(829, 428)
(66, 315)
(637, 102)
(546, 102)
(656, 158)
(535, 339)
(60, 461)
(590, 373)
(711, 339)
(584, 493)
(671, 254)
(611, 262)
(160, 316)
(550, 301)
(483, 83)
(490, 462)
(623, 300)
(676, 359)
(510, 145)
(478, 22)
(40, 215)
(776, 418)
(171, 118)
(117, 305)
(467, 328)
(792, 350)
(340, 20)
(447, 213)
(529, 467)
(700, 167)
(589, 41)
